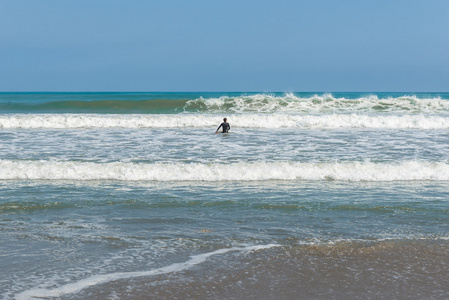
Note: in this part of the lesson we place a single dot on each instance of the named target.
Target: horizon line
(286, 92)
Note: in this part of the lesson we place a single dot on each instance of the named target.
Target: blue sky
(227, 45)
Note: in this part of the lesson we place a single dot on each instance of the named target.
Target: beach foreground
(346, 270)
(392, 270)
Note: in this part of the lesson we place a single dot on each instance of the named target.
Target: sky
(224, 45)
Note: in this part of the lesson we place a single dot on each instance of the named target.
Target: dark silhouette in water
(225, 125)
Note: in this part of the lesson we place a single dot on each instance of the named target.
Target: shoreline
(399, 269)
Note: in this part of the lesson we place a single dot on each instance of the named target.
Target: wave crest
(344, 171)
(331, 121)
(266, 103)
(232, 103)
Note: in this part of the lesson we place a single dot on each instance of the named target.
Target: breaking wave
(318, 104)
(244, 171)
(72, 121)
(254, 103)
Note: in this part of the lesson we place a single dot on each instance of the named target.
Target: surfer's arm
(219, 127)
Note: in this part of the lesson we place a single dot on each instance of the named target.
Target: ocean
(309, 196)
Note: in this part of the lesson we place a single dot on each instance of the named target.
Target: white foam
(74, 121)
(381, 122)
(243, 171)
(320, 103)
(100, 279)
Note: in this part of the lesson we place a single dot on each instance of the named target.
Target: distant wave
(329, 121)
(258, 103)
(244, 171)
(318, 104)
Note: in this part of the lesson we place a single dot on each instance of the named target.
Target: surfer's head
(225, 119)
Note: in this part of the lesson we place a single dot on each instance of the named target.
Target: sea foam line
(100, 279)
(243, 171)
(329, 121)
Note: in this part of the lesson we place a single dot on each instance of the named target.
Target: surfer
(225, 125)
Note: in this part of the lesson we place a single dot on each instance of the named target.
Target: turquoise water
(133, 195)
(144, 103)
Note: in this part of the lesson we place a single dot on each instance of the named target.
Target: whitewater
(240, 121)
(367, 171)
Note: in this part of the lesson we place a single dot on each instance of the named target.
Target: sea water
(310, 195)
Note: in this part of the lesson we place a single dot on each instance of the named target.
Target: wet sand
(346, 270)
